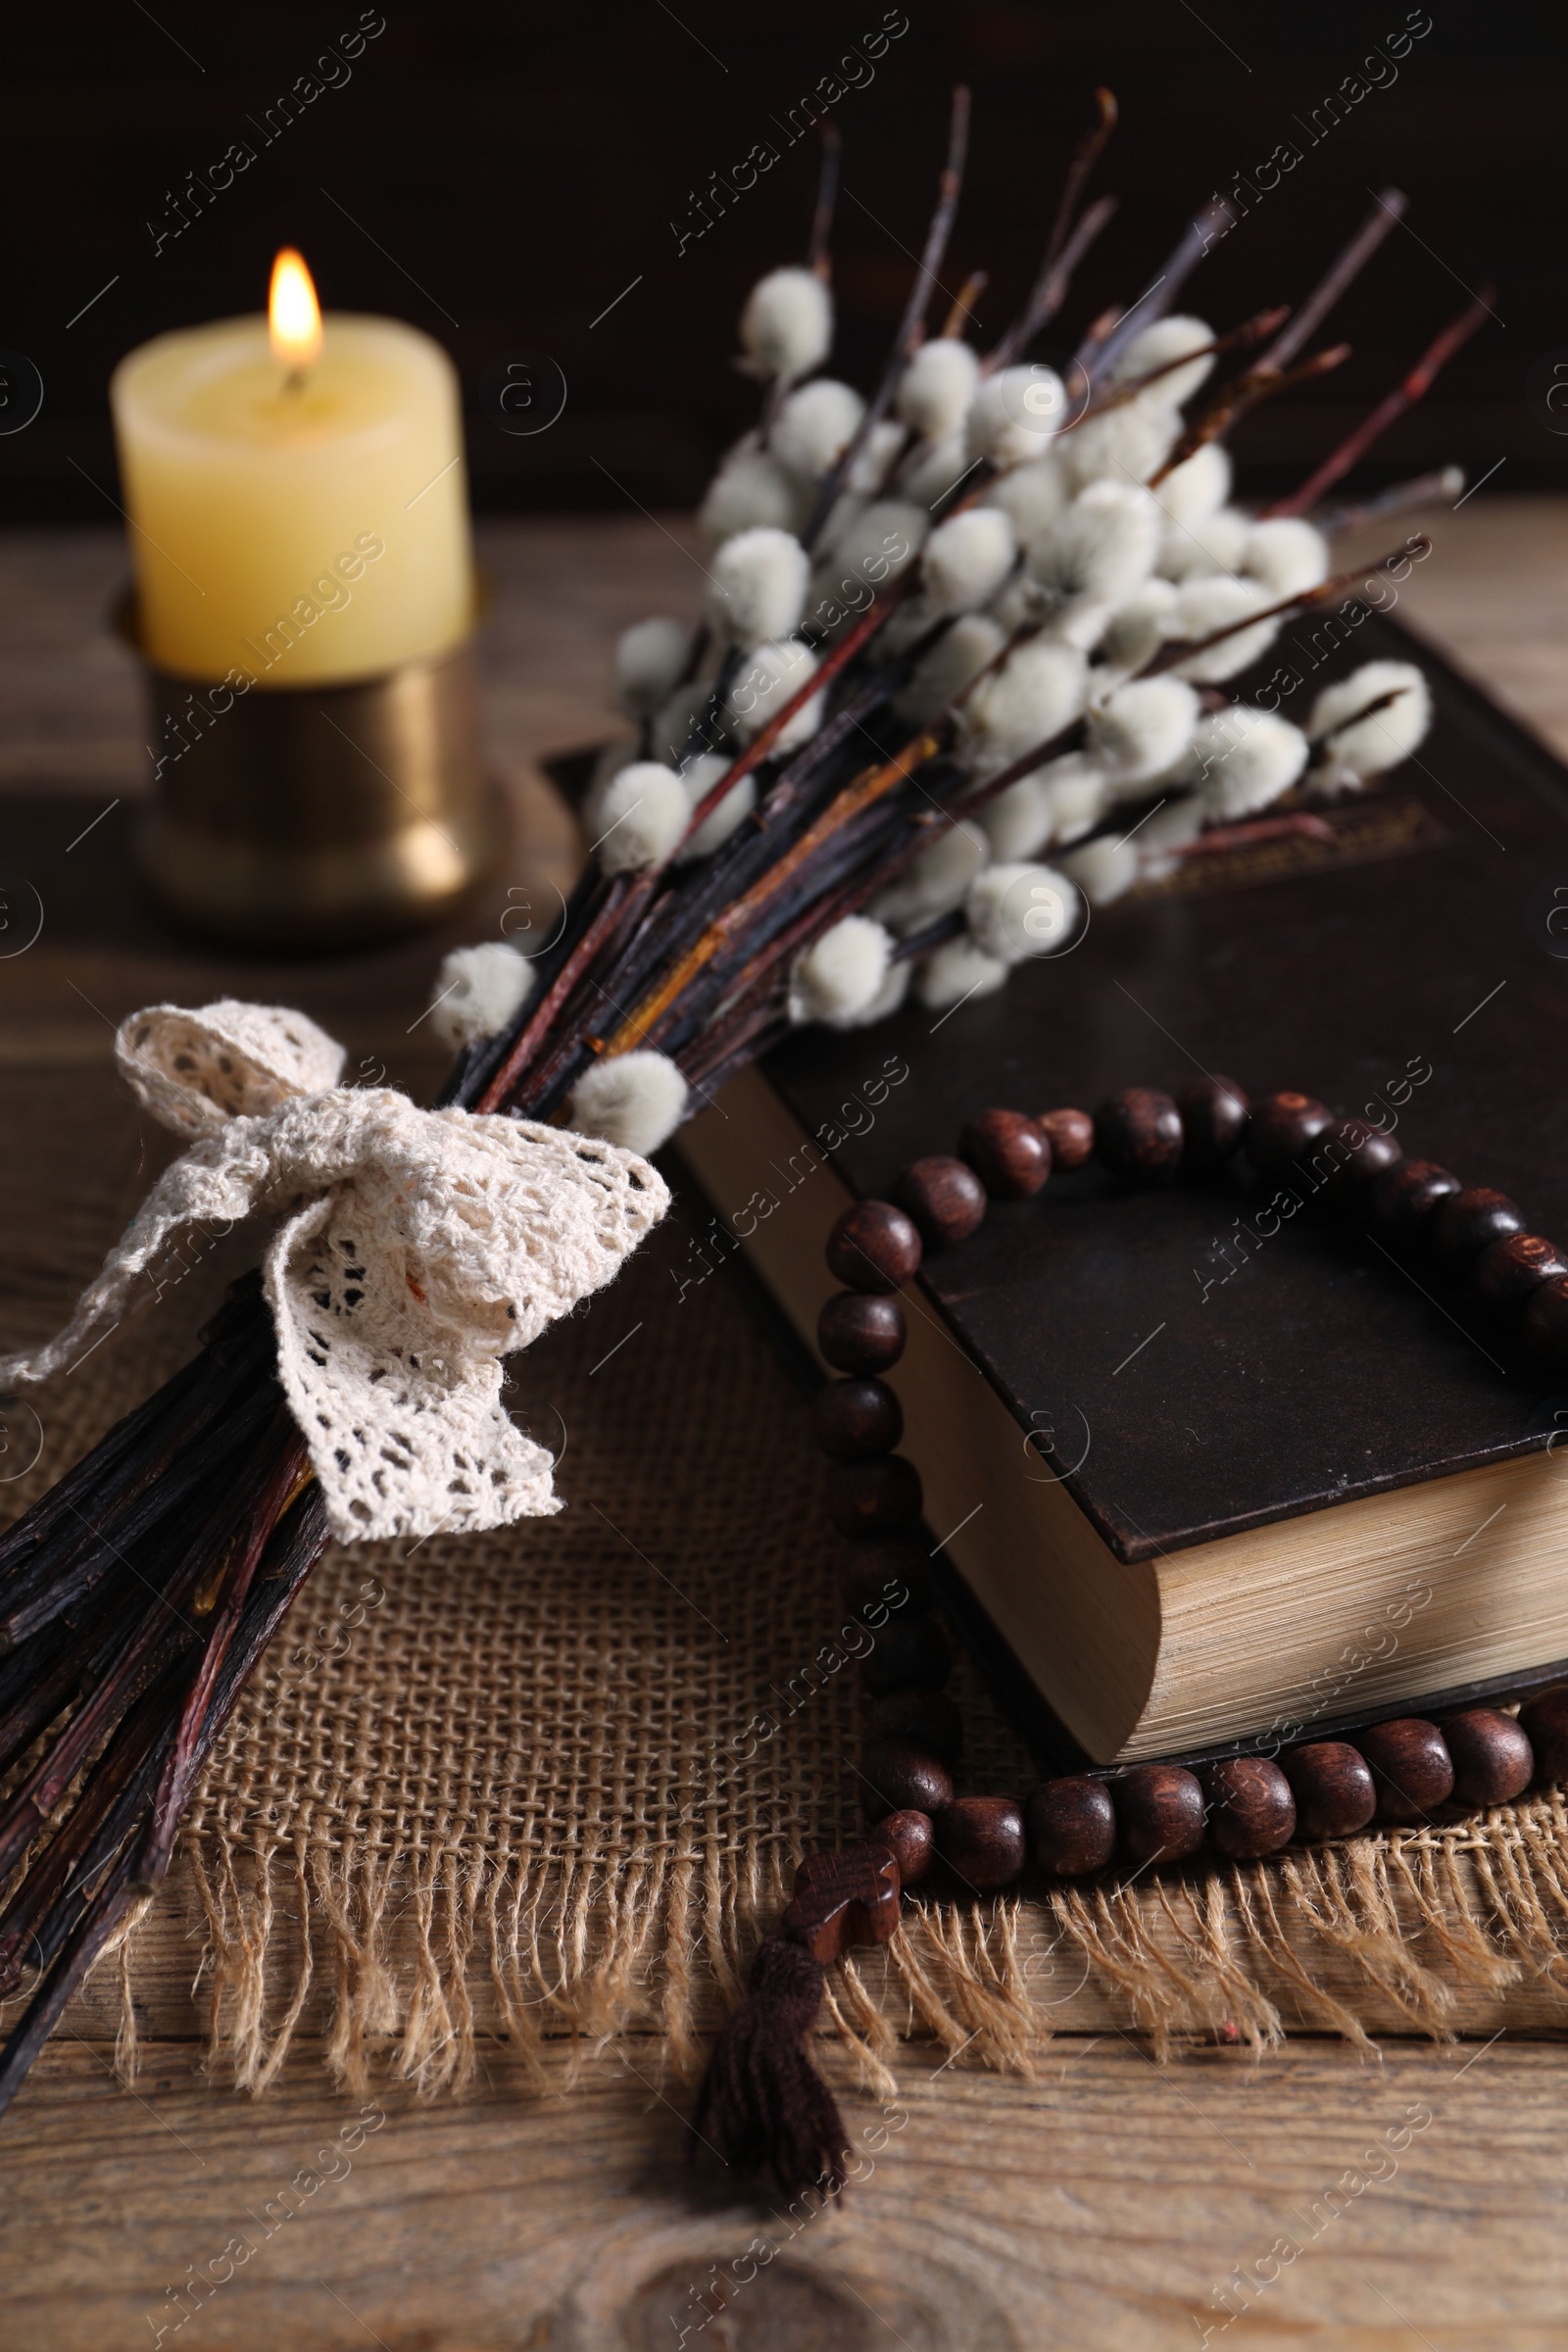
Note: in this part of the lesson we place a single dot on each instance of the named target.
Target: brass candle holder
(316, 815)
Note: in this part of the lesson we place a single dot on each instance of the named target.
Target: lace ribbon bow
(417, 1248)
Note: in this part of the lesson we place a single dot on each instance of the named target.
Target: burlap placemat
(552, 1780)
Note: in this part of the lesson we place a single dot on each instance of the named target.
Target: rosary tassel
(762, 2106)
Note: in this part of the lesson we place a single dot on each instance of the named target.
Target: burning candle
(295, 489)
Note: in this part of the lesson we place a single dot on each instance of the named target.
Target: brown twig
(1049, 296)
(961, 308)
(1252, 330)
(1387, 211)
(612, 897)
(1404, 396)
(289, 1474)
(912, 324)
(1099, 351)
(1170, 656)
(818, 258)
(874, 619)
(1255, 829)
(1235, 400)
(1056, 266)
(1441, 487)
(868, 787)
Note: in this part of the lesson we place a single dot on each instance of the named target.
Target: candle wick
(294, 381)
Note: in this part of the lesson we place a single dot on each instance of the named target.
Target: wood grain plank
(1103, 2205)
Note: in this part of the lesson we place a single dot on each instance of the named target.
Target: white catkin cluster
(1078, 556)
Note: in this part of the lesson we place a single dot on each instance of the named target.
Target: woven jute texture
(552, 1779)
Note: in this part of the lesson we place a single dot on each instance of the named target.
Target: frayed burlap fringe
(430, 1967)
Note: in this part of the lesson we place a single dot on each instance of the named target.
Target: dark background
(504, 173)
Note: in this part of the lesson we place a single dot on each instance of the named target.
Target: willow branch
(818, 257)
(912, 324)
(1097, 354)
(1237, 398)
(1051, 279)
(1444, 484)
(1404, 396)
(1387, 211)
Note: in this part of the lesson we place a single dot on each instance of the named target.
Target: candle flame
(293, 313)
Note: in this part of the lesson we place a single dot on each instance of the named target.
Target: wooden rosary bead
(1544, 1720)
(897, 1776)
(1411, 1767)
(1070, 1134)
(1470, 1222)
(873, 1498)
(1072, 1825)
(874, 1247)
(1367, 1154)
(845, 1899)
(1506, 1272)
(912, 1840)
(1543, 1325)
(858, 1331)
(1159, 1811)
(879, 1573)
(1138, 1133)
(1405, 1195)
(1282, 1129)
(1009, 1152)
(945, 1199)
(906, 1651)
(927, 1717)
(1333, 1787)
(981, 1839)
(1492, 1758)
(1214, 1114)
(856, 1419)
(1252, 1809)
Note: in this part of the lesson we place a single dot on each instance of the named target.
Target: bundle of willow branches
(1028, 586)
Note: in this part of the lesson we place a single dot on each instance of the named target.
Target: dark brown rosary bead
(927, 1717)
(1070, 1134)
(1282, 1129)
(1544, 1724)
(1138, 1133)
(906, 1651)
(861, 1332)
(1072, 1825)
(897, 1776)
(858, 1419)
(1352, 1155)
(845, 1899)
(1252, 1809)
(874, 1247)
(1214, 1114)
(1471, 1222)
(1159, 1811)
(981, 1838)
(1334, 1790)
(881, 1572)
(1405, 1195)
(1508, 1271)
(1492, 1758)
(873, 1498)
(912, 1840)
(1543, 1325)
(945, 1199)
(1009, 1152)
(1411, 1767)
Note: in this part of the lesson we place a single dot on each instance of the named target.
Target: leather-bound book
(1216, 1468)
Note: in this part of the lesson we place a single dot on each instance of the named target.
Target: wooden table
(1105, 2204)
